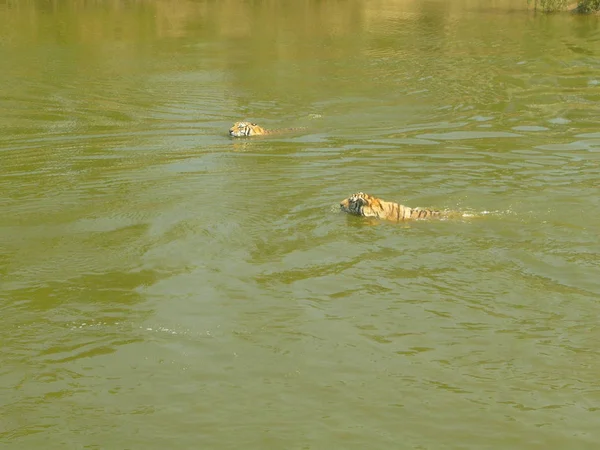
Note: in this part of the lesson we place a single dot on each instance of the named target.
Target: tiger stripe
(246, 129)
(361, 204)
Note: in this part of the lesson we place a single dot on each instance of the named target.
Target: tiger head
(361, 204)
(242, 129)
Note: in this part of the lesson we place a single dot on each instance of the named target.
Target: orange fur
(246, 129)
(361, 204)
(243, 129)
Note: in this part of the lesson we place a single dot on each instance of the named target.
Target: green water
(163, 286)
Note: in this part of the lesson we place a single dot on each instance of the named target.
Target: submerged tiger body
(361, 204)
(246, 129)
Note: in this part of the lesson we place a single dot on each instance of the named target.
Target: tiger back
(247, 129)
(361, 204)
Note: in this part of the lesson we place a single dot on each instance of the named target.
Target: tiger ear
(363, 201)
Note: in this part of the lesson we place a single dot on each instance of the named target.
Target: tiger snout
(344, 204)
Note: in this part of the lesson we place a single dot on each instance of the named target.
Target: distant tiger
(244, 129)
(361, 204)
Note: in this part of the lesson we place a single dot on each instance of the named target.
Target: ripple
(147, 256)
(458, 135)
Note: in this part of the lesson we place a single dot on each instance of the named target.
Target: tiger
(244, 129)
(361, 204)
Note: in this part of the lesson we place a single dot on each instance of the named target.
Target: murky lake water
(165, 286)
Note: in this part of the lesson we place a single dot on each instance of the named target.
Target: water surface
(165, 286)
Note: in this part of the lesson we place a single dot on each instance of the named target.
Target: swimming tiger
(361, 204)
(243, 129)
